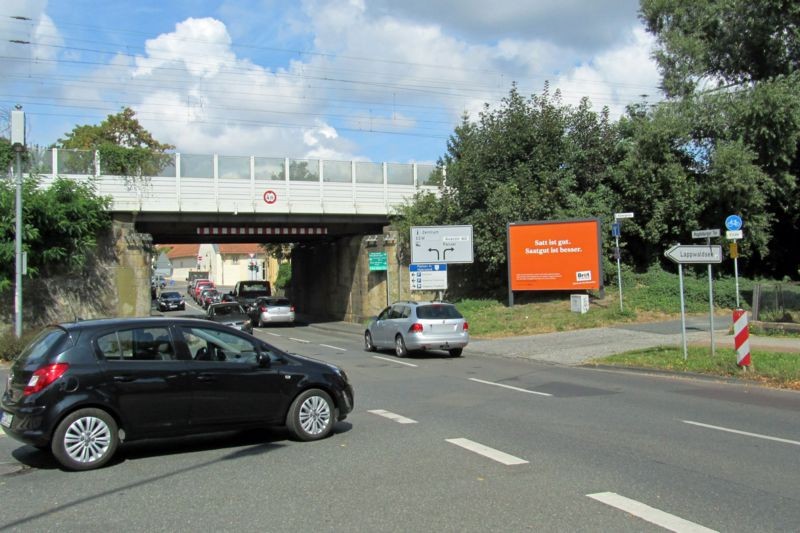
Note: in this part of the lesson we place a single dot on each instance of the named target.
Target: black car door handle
(124, 379)
(206, 377)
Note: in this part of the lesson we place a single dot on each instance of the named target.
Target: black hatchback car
(81, 388)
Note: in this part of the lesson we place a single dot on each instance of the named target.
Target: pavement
(579, 346)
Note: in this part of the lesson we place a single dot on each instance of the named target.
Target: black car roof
(80, 325)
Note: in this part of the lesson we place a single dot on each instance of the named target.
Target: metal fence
(777, 302)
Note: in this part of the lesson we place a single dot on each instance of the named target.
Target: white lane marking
(273, 334)
(334, 347)
(393, 361)
(509, 387)
(745, 433)
(299, 340)
(649, 514)
(392, 416)
(2, 433)
(491, 453)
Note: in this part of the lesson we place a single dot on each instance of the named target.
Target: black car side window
(139, 344)
(384, 314)
(206, 344)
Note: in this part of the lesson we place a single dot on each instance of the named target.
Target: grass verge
(774, 369)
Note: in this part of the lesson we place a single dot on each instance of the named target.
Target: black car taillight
(44, 377)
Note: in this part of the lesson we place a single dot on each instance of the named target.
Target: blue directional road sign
(615, 229)
(733, 223)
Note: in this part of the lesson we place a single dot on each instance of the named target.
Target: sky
(366, 80)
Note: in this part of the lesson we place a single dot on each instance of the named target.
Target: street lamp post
(18, 143)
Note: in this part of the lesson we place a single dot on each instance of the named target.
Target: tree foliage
(125, 148)
(60, 226)
(530, 159)
(748, 130)
(731, 42)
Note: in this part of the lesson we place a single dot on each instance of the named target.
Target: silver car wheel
(87, 440)
(314, 415)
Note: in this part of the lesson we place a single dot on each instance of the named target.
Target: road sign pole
(736, 277)
(619, 274)
(711, 301)
(683, 313)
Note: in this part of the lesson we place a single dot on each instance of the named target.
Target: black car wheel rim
(87, 440)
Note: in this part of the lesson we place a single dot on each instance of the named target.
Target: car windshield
(170, 295)
(438, 311)
(228, 310)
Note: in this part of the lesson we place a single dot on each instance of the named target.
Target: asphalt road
(478, 443)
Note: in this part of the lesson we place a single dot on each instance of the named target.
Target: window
(235, 259)
(438, 312)
(139, 344)
(215, 345)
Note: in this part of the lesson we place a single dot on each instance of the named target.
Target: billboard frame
(599, 234)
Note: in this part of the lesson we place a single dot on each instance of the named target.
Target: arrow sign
(694, 254)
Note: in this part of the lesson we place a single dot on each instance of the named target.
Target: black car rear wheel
(311, 415)
(85, 439)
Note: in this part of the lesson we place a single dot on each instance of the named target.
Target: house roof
(241, 248)
(178, 251)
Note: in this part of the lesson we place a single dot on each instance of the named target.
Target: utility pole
(18, 144)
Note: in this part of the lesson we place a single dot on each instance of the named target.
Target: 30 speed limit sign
(270, 197)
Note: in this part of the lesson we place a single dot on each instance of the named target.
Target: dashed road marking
(393, 361)
(738, 432)
(334, 347)
(273, 334)
(299, 340)
(491, 453)
(649, 514)
(509, 387)
(2, 433)
(392, 416)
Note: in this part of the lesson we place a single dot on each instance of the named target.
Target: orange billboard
(554, 256)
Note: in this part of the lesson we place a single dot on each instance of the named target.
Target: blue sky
(374, 80)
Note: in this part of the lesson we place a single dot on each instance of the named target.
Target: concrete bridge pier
(333, 281)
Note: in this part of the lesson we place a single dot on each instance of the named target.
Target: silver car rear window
(438, 311)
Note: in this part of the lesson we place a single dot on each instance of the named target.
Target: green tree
(125, 148)
(730, 42)
(60, 225)
(530, 159)
(747, 131)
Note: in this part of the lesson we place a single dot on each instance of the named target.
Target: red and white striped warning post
(741, 336)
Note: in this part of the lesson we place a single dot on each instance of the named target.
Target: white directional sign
(694, 254)
(441, 244)
(428, 277)
(705, 233)
(623, 215)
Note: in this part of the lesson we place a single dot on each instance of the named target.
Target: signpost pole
(711, 302)
(619, 274)
(683, 313)
(736, 277)
(18, 144)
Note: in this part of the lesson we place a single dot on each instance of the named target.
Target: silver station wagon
(418, 326)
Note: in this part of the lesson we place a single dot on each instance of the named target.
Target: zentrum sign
(554, 255)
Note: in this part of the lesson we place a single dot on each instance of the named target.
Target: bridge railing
(246, 184)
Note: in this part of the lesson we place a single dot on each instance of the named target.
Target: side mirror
(263, 360)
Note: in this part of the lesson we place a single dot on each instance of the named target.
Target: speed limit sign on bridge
(270, 196)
